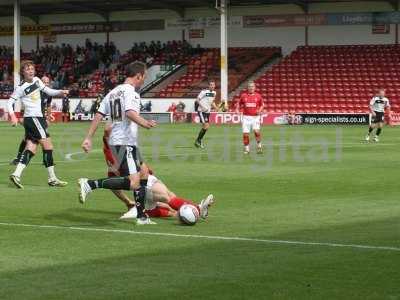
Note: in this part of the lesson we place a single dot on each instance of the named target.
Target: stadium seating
(85, 77)
(198, 69)
(338, 79)
(242, 63)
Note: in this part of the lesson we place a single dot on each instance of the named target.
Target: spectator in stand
(108, 85)
(232, 63)
(72, 66)
(149, 60)
(74, 90)
(63, 79)
(116, 56)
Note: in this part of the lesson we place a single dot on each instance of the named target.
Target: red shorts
(109, 157)
(158, 212)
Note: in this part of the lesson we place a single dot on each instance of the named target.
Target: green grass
(343, 191)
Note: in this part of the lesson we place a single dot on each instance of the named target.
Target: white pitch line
(68, 156)
(209, 237)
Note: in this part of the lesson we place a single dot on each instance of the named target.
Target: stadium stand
(242, 63)
(93, 68)
(331, 79)
(310, 79)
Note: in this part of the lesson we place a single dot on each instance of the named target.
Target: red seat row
(331, 79)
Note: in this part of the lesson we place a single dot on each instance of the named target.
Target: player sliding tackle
(122, 104)
(30, 92)
(159, 201)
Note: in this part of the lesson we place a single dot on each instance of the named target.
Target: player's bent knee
(46, 144)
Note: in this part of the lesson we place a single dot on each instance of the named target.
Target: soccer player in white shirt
(46, 110)
(122, 104)
(203, 105)
(377, 106)
(29, 93)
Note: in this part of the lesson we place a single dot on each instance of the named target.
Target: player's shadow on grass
(85, 217)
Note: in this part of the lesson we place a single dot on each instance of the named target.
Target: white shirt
(379, 103)
(116, 104)
(206, 98)
(29, 95)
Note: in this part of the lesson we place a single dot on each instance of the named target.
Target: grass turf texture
(341, 191)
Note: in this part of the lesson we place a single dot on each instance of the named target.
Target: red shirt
(250, 103)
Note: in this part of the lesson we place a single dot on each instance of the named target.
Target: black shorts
(379, 117)
(35, 128)
(127, 159)
(204, 117)
(65, 110)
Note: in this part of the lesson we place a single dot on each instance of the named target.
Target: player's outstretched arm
(87, 142)
(53, 93)
(135, 117)
(13, 118)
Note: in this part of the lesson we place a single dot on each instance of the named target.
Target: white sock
(19, 169)
(52, 174)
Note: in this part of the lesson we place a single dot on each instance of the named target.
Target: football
(188, 214)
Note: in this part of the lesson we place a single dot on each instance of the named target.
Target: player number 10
(116, 111)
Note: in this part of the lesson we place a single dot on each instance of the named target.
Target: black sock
(201, 134)
(26, 157)
(378, 131)
(111, 183)
(140, 196)
(48, 158)
(21, 149)
(370, 129)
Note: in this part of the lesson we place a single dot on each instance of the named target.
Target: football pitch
(316, 216)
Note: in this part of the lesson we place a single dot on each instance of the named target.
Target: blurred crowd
(79, 68)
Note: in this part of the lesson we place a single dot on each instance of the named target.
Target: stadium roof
(34, 8)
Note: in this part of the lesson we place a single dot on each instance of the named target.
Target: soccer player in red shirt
(251, 103)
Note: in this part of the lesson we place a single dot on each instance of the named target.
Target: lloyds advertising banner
(321, 19)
